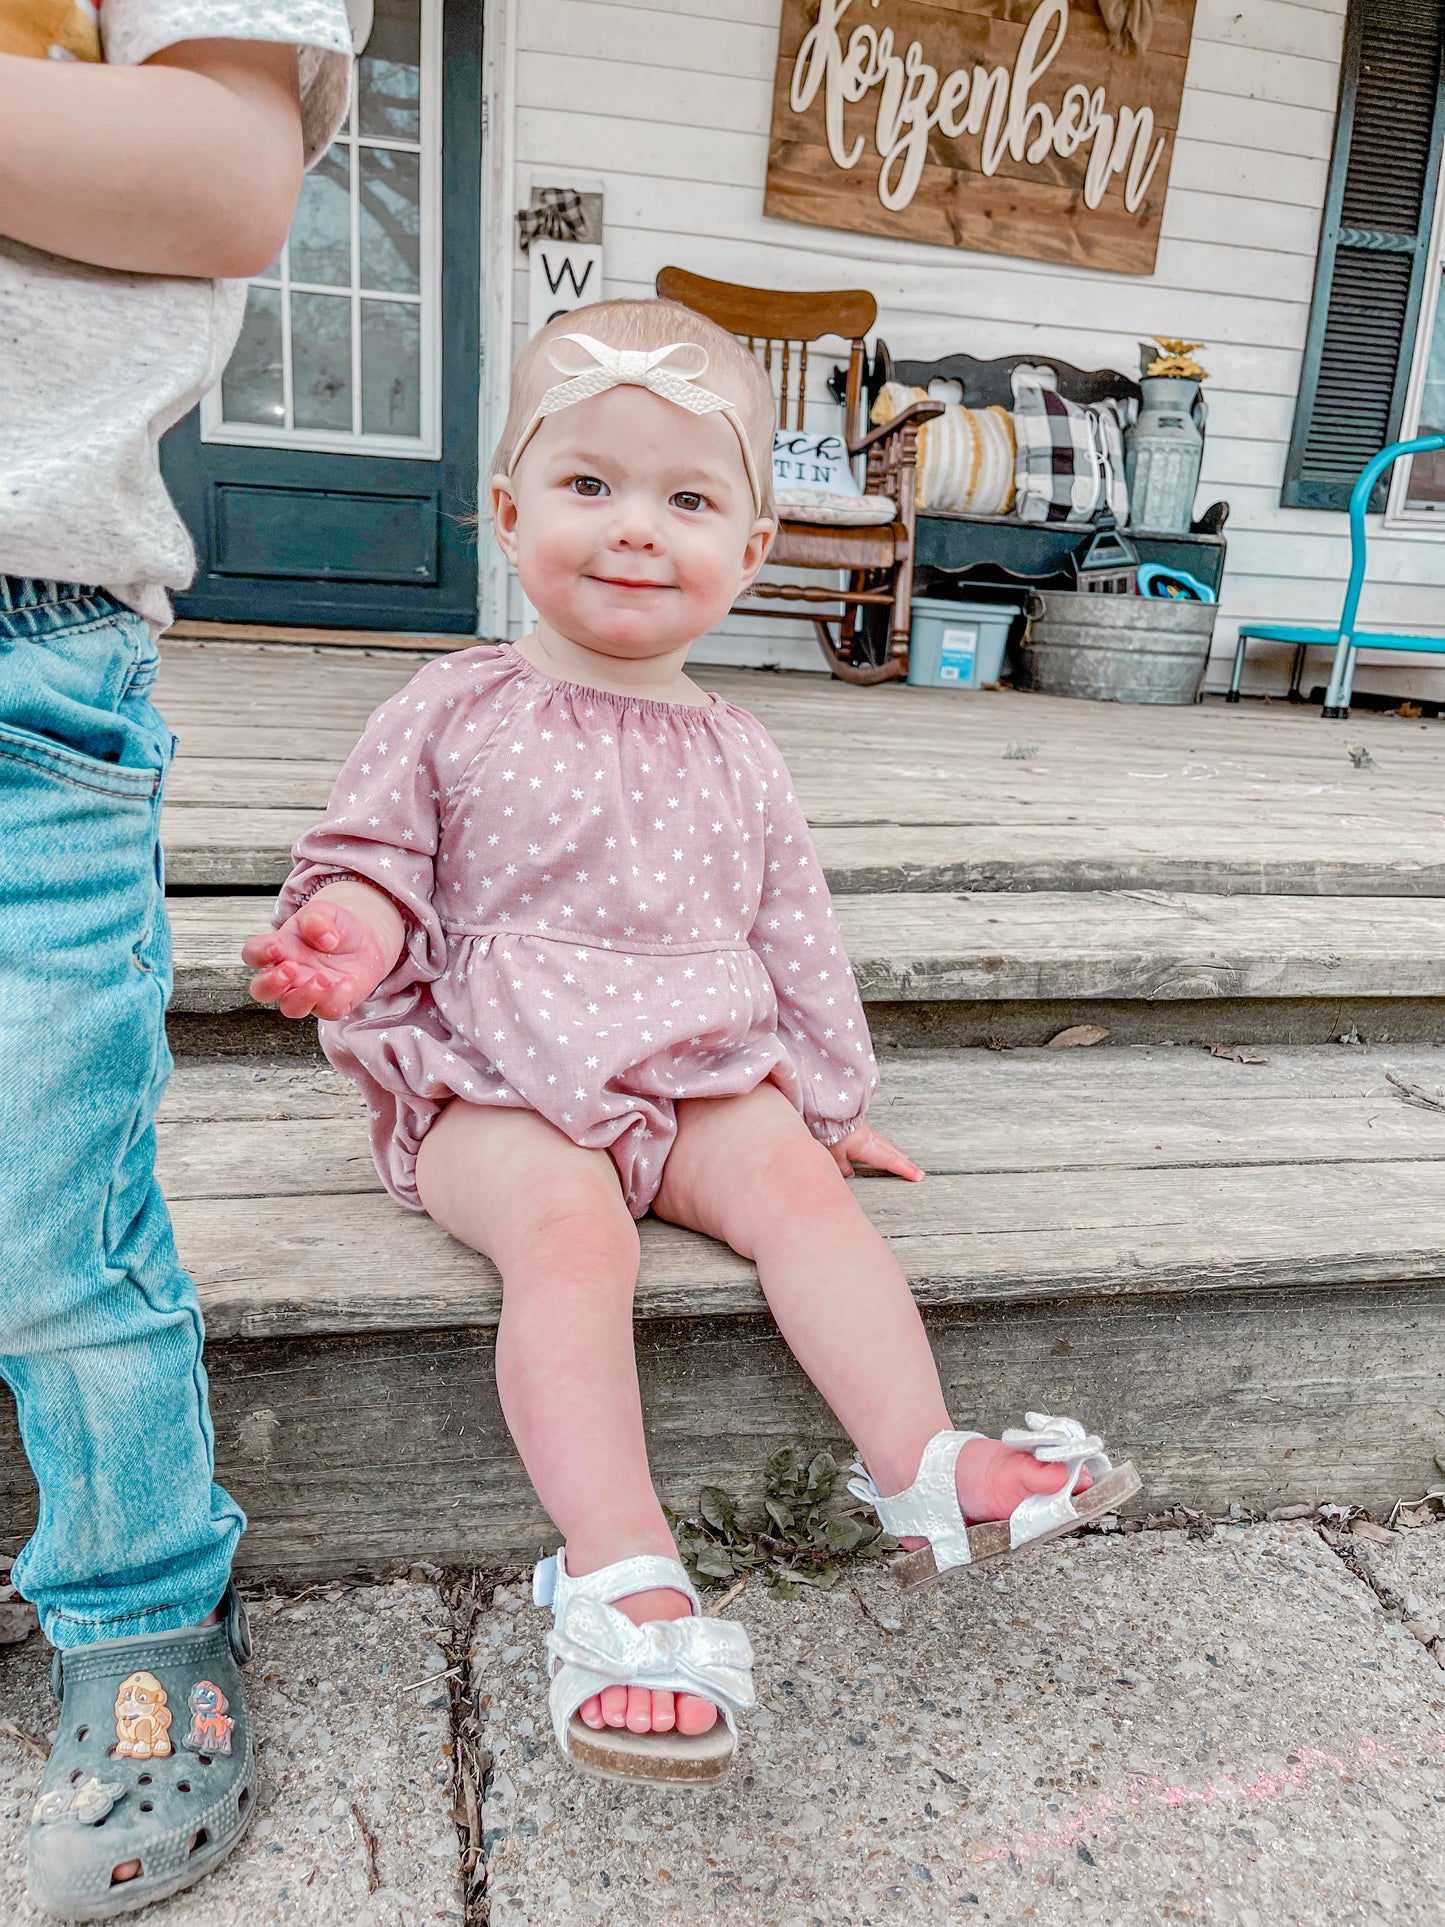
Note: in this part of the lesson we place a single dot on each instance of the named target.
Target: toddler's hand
(325, 959)
(864, 1145)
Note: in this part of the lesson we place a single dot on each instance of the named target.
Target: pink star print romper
(610, 904)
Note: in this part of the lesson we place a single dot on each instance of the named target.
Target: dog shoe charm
(142, 1719)
(210, 1728)
(89, 1804)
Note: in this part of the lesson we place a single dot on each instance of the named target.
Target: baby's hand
(324, 959)
(864, 1145)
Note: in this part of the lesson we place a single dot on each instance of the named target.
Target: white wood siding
(665, 105)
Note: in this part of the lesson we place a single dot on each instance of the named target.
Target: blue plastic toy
(1348, 639)
(1172, 585)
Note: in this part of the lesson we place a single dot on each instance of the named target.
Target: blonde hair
(732, 370)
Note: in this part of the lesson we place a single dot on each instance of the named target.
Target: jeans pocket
(48, 756)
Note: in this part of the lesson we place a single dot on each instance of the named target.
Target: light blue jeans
(100, 1331)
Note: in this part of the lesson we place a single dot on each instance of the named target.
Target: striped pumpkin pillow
(966, 456)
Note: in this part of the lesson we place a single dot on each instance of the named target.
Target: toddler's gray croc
(154, 1762)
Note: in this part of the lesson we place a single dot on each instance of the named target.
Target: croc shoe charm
(210, 1730)
(142, 1719)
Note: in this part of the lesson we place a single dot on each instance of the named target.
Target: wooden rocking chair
(864, 634)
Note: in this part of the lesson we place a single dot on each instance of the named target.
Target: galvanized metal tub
(1114, 648)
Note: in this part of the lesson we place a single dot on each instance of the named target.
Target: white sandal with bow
(929, 1509)
(593, 1646)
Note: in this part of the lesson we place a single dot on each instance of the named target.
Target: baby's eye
(689, 499)
(587, 485)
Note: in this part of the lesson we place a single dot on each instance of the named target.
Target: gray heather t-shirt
(95, 365)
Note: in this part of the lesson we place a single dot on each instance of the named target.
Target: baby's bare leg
(748, 1171)
(552, 1219)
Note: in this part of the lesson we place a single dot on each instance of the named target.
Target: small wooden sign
(1010, 126)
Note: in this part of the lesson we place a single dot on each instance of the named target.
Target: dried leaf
(1238, 1054)
(1376, 1535)
(1077, 1036)
(1360, 756)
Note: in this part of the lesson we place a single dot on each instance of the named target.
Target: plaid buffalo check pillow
(1070, 465)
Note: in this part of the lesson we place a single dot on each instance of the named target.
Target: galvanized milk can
(1163, 448)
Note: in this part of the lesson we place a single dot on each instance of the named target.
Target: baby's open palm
(324, 959)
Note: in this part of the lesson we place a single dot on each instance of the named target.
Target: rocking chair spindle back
(864, 635)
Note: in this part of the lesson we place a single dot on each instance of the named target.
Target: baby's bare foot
(992, 1478)
(636, 1707)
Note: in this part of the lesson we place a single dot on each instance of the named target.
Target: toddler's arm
(331, 954)
(188, 164)
(359, 912)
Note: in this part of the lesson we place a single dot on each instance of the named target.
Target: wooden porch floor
(907, 789)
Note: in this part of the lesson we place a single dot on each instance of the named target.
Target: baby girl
(565, 928)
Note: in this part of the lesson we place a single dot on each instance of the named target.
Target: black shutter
(1374, 248)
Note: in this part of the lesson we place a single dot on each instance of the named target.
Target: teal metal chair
(1347, 640)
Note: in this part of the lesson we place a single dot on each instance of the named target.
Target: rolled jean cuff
(68, 1630)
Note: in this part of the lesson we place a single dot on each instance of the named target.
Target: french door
(330, 477)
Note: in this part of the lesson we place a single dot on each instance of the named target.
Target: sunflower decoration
(1174, 358)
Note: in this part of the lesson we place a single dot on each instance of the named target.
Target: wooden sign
(1011, 126)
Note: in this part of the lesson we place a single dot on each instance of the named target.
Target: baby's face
(631, 523)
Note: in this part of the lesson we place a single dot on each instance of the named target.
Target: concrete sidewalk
(1129, 1729)
(1116, 1730)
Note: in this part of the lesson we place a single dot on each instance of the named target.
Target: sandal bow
(710, 1657)
(593, 1646)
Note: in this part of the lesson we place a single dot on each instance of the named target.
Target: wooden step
(1140, 946)
(907, 789)
(1237, 1271)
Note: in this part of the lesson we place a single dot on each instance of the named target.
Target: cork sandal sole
(991, 1540)
(652, 1759)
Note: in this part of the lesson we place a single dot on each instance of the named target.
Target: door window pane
(252, 388)
(321, 233)
(321, 361)
(390, 368)
(388, 75)
(341, 348)
(390, 222)
(1427, 472)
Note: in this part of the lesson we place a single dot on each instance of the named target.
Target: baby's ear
(755, 553)
(504, 516)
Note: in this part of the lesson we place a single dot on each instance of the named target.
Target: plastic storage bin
(957, 645)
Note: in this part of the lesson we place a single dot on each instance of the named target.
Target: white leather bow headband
(660, 370)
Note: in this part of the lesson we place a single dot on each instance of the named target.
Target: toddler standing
(566, 930)
(135, 191)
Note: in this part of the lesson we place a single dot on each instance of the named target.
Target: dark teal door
(331, 477)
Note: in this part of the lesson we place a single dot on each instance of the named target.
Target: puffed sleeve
(384, 821)
(134, 30)
(820, 1015)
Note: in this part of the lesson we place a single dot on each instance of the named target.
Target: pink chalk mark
(1147, 1791)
